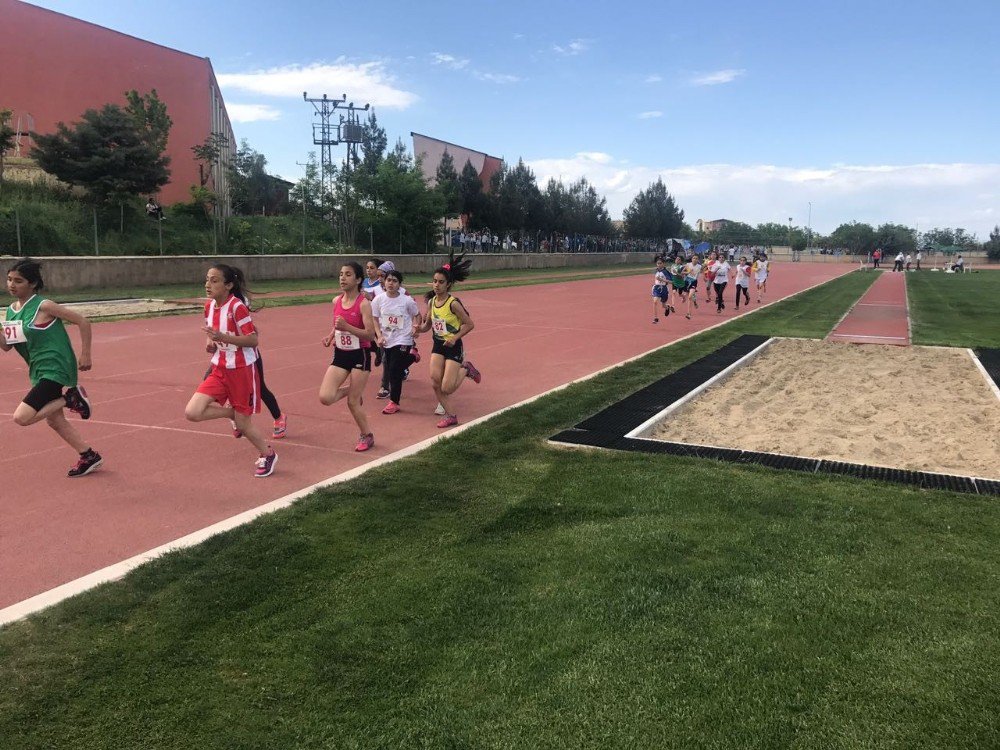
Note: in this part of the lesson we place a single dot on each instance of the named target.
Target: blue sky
(876, 111)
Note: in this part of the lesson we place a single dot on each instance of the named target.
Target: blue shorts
(692, 283)
(660, 292)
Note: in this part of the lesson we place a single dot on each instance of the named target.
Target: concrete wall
(108, 274)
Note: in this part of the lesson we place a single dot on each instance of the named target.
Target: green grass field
(496, 592)
(955, 309)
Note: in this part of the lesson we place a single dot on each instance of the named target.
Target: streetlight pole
(809, 231)
(790, 237)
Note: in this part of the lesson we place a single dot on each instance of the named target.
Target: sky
(822, 112)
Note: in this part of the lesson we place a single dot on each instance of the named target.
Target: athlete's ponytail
(236, 277)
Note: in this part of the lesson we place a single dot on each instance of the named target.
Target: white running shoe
(440, 410)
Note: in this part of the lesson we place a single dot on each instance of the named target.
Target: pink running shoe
(365, 442)
(391, 408)
(450, 420)
(280, 427)
(265, 465)
(416, 353)
(472, 372)
(237, 432)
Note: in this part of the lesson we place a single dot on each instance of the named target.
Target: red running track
(881, 316)
(164, 477)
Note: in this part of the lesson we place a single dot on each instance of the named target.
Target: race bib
(439, 327)
(391, 322)
(13, 331)
(347, 341)
(225, 347)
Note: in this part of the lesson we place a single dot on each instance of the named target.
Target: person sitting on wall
(154, 209)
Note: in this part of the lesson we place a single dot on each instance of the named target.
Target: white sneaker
(439, 410)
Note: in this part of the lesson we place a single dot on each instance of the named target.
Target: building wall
(431, 151)
(54, 67)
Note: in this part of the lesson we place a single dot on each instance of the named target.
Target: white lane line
(116, 571)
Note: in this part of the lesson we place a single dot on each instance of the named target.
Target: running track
(164, 477)
(881, 316)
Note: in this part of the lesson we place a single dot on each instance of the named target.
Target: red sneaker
(365, 442)
(237, 432)
(472, 372)
(450, 420)
(416, 354)
(265, 465)
(280, 427)
(391, 408)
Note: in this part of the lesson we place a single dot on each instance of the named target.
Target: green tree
(653, 213)
(209, 154)
(857, 238)
(308, 191)
(896, 238)
(992, 246)
(447, 184)
(7, 135)
(470, 191)
(373, 144)
(106, 154)
(251, 189)
(150, 117)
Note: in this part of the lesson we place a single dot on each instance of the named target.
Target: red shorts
(240, 387)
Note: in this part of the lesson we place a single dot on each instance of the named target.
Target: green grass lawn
(420, 281)
(955, 309)
(496, 592)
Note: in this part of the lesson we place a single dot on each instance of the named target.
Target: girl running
(395, 316)
(678, 283)
(720, 278)
(233, 378)
(449, 321)
(709, 275)
(372, 283)
(691, 273)
(660, 290)
(35, 327)
(351, 336)
(761, 276)
(743, 281)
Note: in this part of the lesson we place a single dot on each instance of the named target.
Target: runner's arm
(72, 316)
(467, 325)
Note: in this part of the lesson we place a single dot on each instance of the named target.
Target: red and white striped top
(231, 317)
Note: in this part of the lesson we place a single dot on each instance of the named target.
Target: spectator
(154, 209)
(959, 265)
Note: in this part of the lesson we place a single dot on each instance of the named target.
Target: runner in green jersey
(34, 328)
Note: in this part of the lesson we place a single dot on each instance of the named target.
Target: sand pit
(932, 409)
(116, 308)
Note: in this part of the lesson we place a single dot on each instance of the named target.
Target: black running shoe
(77, 401)
(89, 461)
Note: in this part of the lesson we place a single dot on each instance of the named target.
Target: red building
(53, 68)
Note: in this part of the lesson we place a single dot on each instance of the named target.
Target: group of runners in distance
(373, 313)
(677, 285)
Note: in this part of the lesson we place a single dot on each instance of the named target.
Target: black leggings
(395, 360)
(719, 289)
(265, 395)
(746, 295)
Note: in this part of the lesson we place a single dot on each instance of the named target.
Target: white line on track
(116, 571)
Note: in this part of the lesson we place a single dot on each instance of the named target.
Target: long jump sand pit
(917, 408)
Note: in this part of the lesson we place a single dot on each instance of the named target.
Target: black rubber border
(607, 428)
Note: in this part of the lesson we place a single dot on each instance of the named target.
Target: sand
(98, 310)
(922, 408)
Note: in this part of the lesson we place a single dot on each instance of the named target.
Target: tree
(896, 238)
(209, 154)
(470, 191)
(308, 191)
(150, 117)
(447, 184)
(7, 135)
(373, 144)
(251, 188)
(105, 153)
(858, 238)
(992, 246)
(653, 213)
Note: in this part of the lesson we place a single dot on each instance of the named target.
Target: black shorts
(44, 393)
(453, 353)
(353, 359)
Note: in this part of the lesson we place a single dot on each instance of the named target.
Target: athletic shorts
(44, 393)
(692, 284)
(454, 353)
(660, 292)
(353, 359)
(239, 386)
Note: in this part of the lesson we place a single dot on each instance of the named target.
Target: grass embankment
(497, 592)
(961, 309)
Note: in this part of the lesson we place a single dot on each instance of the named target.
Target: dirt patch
(921, 408)
(117, 308)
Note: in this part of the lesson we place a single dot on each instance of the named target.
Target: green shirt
(48, 351)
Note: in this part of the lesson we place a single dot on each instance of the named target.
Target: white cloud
(717, 77)
(496, 77)
(654, 78)
(368, 82)
(575, 47)
(252, 112)
(450, 61)
(933, 195)
(650, 115)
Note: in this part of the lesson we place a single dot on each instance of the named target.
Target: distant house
(714, 225)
